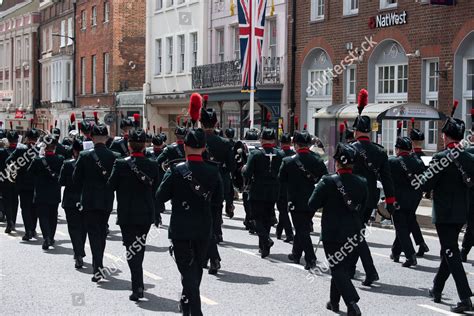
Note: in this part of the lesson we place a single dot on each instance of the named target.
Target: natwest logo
(389, 19)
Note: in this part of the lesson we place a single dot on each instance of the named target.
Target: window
(159, 57)
(194, 53)
(106, 72)
(181, 1)
(431, 98)
(18, 52)
(432, 130)
(26, 94)
(236, 33)
(106, 11)
(94, 16)
(94, 77)
(83, 75)
(351, 7)
(220, 45)
(432, 77)
(169, 3)
(321, 82)
(169, 42)
(70, 31)
(182, 48)
(50, 37)
(83, 20)
(27, 49)
(18, 92)
(272, 38)
(393, 79)
(63, 33)
(388, 4)
(2, 56)
(45, 40)
(402, 79)
(351, 85)
(68, 86)
(317, 10)
(470, 75)
(159, 5)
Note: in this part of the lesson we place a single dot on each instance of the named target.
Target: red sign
(19, 114)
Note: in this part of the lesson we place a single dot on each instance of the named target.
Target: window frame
(169, 54)
(385, 4)
(220, 45)
(83, 20)
(181, 53)
(94, 16)
(106, 11)
(83, 75)
(63, 34)
(351, 97)
(194, 39)
(318, 9)
(94, 74)
(347, 10)
(158, 57)
(106, 66)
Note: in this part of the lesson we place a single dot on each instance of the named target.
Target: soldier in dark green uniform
(61, 150)
(135, 179)
(449, 176)
(9, 190)
(468, 240)
(405, 167)
(299, 174)
(71, 204)
(156, 149)
(229, 194)
(262, 168)
(193, 188)
(372, 164)
(174, 152)
(91, 173)
(249, 222)
(22, 157)
(120, 144)
(342, 196)
(47, 191)
(284, 222)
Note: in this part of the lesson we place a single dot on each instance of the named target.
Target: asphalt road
(37, 282)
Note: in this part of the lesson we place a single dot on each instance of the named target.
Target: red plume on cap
(297, 121)
(96, 117)
(195, 105)
(269, 116)
(342, 127)
(136, 117)
(363, 99)
(455, 106)
(72, 118)
(412, 122)
(178, 120)
(305, 127)
(11, 125)
(399, 128)
(205, 98)
(230, 123)
(83, 115)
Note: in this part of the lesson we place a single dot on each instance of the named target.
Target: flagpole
(252, 62)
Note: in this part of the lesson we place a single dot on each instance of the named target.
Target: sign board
(375, 127)
(6, 96)
(388, 19)
(19, 114)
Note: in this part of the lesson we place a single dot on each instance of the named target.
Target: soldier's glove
(392, 205)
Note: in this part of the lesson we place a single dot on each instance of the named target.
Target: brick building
(110, 57)
(19, 92)
(403, 51)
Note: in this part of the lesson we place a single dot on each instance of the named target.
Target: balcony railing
(228, 74)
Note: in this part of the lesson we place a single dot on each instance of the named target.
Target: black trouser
(284, 222)
(263, 211)
(468, 240)
(96, 225)
(302, 241)
(228, 190)
(363, 252)
(213, 252)
(134, 240)
(28, 211)
(451, 261)
(402, 221)
(247, 209)
(415, 229)
(341, 284)
(10, 200)
(48, 218)
(190, 256)
(76, 226)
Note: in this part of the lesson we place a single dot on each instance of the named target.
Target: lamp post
(73, 39)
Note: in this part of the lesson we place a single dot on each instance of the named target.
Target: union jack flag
(251, 12)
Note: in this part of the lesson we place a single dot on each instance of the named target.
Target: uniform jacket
(22, 157)
(264, 183)
(450, 193)
(46, 184)
(95, 194)
(298, 186)
(220, 150)
(72, 191)
(407, 194)
(64, 151)
(120, 146)
(135, 199)
(286, 152)
(4, 172)
(471, 195)
(172, 152)
(338, 222)
(191, 217)
(419, 153)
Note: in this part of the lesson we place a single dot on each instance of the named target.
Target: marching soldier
(262, 168)
(218, 151)
(417, 137)
(249, 222)
(91, 173)
(468, 240)
(404, 168)
(47, 191)
(371, 163)
(193, 188)
(450, 184)
(349, 134)
(229, 194)
(71, 204)
(24, 181)
(120, 144)
(61, 150)
(342, 196)
(299, 174)
(173, 152)
(284, 222)
(9, 190)
(135, 179)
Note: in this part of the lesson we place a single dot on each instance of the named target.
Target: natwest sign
(388, 19)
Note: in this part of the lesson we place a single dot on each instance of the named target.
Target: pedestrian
(451, 185)
(71, 204)
(47, 190)
(262, 168)
(341, 197)
(135, 180)
(299, 174)
(193, 187)
(91, 174)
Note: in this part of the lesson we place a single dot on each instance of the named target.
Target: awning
(382, 111)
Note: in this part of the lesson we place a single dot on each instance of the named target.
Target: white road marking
(60, 233)
(151, 275)
(436, 309)
(208, 301)
(380, 255)
(244, 251)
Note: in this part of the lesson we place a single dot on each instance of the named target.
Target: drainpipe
(293, 68)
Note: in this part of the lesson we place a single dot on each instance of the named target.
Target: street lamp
(73, 39)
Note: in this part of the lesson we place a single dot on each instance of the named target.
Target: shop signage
(388, 19)
(443, 2)
(19, 114)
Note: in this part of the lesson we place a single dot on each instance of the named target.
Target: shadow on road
(234, 277)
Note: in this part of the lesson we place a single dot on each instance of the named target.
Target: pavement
(40, 282)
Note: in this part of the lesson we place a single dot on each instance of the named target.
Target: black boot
(46, 244)
(229, 211)
(332, 307)
(422, 250)
(215, 266)
(464, 253)
(435, 295)
(27, 237)
(184, 306)
(278, 233)
(140, 292)
(9, 227)
(395, 258)
(463, 306)
(353, 309)
(79, 263)
(410, 262)
(293, 259)
(311, 265)
(134, 297)
(98, 276)
(289, 239)
(369, 279)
